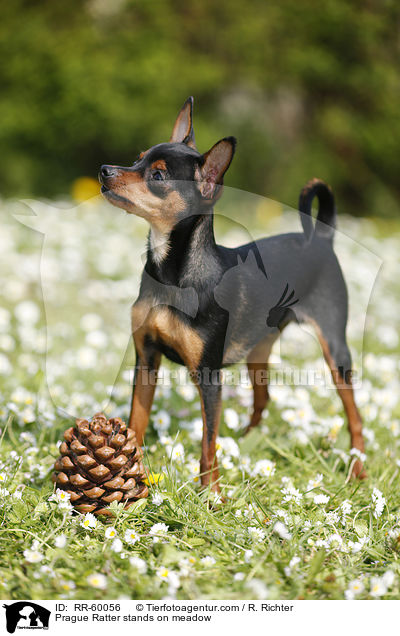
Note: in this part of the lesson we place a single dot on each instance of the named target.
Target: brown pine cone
(100, 463)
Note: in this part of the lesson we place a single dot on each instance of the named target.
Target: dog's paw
(358, 471)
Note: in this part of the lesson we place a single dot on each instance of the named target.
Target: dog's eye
(157, 175)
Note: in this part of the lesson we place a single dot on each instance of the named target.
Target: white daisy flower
(291, 494)
(282, 530)
(139, 564)
(186, 391)
(158, 531)
(257, 589)
(67, 586)
(346, 507)
(388, 577)
(244, 463)
(60, 541)
(315, 483)
(162, 421)
(196, 429)
(232, 419)
(97, 339)
(378, 587)
(263, 467)
(62, 498)
(33, 555)
(27, 312)
(169, 576)
(379, 500)
(256, 534)
(227, 446)
(131, 536)
(157, 499)
(357, 546)
(292, 564)
(355, 452)
(207, 561)
(335, 541)
(321, 499)
(110, 533)
(227, 463)
(89, 521)
(355, 587)
(193, 467)
(116, 545)
(177, 452)
(90, 322)
(332, 517)
(97, 580)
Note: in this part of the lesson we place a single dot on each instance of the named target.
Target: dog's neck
(185, 256)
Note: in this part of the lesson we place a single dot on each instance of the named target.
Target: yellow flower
(85, 188)
(153, 478)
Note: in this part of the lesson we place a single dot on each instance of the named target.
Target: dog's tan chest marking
(162, 325)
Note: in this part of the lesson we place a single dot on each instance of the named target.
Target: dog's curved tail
(326, 219)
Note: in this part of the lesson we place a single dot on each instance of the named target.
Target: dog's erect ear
(216, 163)
(183, 129)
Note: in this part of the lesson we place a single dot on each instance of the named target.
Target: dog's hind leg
(337, 356)
(331, 334)
(257, 364)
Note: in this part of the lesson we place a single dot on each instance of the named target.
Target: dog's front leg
(209, 385)
(144, 385)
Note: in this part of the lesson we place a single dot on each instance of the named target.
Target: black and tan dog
(206, 306)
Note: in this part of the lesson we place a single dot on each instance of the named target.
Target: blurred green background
(308, 88)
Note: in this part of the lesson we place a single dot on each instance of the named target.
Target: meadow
(293, 525)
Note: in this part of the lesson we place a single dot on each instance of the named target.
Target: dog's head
(170, 180)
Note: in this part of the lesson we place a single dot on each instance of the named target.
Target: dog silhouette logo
(26, 615)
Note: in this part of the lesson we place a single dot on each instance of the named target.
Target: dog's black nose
(108, 171)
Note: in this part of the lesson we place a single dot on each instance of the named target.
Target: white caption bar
(171, 617)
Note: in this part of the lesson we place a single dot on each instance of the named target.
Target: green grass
(210, 550)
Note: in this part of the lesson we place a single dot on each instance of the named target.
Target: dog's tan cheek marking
(174, 205)
(162, 214)
(166, 216)
(125, 178)
(143, 201)
(162, 325)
